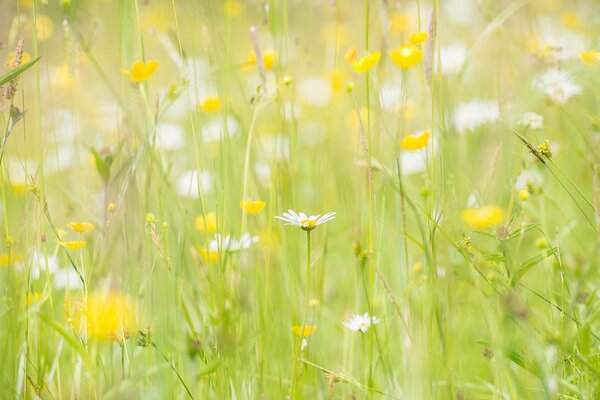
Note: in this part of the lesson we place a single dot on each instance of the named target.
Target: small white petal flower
(361, 323)
(304, 222)
(531, 120)
(558, 85)
(231, 244)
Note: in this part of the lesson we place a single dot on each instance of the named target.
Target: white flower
(361, 323)
(187, 184)
(302, 221)
(38, 264)
(66, 278)
(471, 115)
(314, 91)
(214, 130)
(452, 58)
(558, 85)
(170, 136)
(532, 120)
(231, 244)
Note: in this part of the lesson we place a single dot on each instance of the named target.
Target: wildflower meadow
(300, 199)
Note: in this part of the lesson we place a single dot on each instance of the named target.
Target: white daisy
(558, 85)
(475, 113)
(531, 120)
(304, 222)
(231, 244)
(361, 323)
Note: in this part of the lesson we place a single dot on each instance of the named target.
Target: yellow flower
(366, 62)
(268, 57)
(6, 259)
(210, 104)
(399, 22)
(406, 56)
(337, 79)
(206, 223)
(44, 27)
(414, 143)
(33, 298)
(141, 71)
(591, 57)
(306, 332)
(108, 316)
(418, 38)
(11, 58)
(252, 207)
(523, 194)
(73, 245)
(81, 226)
(350, 55)
(570, 19)
(209, 256)
(483, 217)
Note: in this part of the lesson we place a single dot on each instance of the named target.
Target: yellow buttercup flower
(81, 226)
(406, 56)
(590, 58)
(523, 194)
(268, 57)
(252, 207)
(141, 71)
(206, 223)
(399, 22)
(483, 217)
(414, 143)
(306, 332)
(366, 62)
(44, 27)
(418, 38)
(11, 59)
(209, 256)
(211, 104)
(6, 259)
(108, 316)
(73, 245)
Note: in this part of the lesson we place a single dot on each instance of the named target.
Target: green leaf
(15, 72)
(517, 232)
(102, 166)
(76, 344)
(494, 257)
(532, 262)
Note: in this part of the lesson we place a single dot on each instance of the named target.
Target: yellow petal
(406, 56)
(366, 62)
(252, 207)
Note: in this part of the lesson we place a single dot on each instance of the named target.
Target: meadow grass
(148, 147)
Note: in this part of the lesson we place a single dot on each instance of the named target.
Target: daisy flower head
(303, 221)
(558, 85)
(361, 323)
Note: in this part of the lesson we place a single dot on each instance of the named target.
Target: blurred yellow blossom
(108, 316)
(306, 332)
(252, 207)
(523, 194)
(11, 58)
(141, 71)
(73, 245)
(591, 57)
(570, 19)
(418, 38)
(414, 143)
(268, 57)
(81, 226)
(206, 223)
(44, 27)
(399, 22)
(483, 217)
(209, 256)
(210, 104)
(366, 62)
(406, 56)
